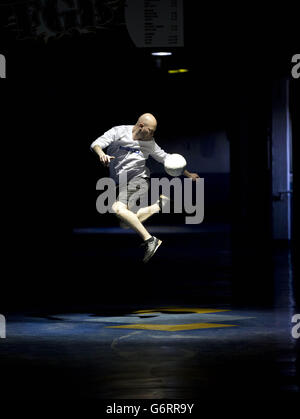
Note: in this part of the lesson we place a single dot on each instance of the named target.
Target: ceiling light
(161, 54)
(180, 70)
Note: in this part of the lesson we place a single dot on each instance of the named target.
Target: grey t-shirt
(130, 155)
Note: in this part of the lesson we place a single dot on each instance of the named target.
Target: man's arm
(102, 142)
(104, 158)
(159, 154)
(190, 175)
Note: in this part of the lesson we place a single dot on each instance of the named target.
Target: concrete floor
(181, 333)
(157, 354)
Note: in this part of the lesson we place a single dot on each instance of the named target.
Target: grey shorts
(136, 188)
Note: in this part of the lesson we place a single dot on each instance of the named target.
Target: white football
(175, 164)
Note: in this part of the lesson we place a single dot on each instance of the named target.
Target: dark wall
(62, 93)
(295, 106)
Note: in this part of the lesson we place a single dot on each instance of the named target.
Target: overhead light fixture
(180, 70)
(161, 54)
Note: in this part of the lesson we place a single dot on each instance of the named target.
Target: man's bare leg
(151, 243)
(144, 213)
(131, 219)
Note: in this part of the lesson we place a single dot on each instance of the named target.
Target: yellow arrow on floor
(171, 327)
(175, 327)
(180, 310)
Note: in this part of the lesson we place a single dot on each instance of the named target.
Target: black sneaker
(151, 245)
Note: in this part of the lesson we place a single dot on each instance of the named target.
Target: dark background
(61, 94)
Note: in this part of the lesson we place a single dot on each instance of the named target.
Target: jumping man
(128, 147)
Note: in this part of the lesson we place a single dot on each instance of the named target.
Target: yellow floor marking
(186, 310)
(171, 327)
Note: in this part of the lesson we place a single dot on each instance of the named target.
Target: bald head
(145, 127)
(148, 119)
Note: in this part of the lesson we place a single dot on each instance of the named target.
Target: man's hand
(192, 176)
(105, 159)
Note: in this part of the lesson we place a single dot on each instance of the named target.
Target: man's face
(147, 132)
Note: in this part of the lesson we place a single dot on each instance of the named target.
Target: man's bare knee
(118, 207)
